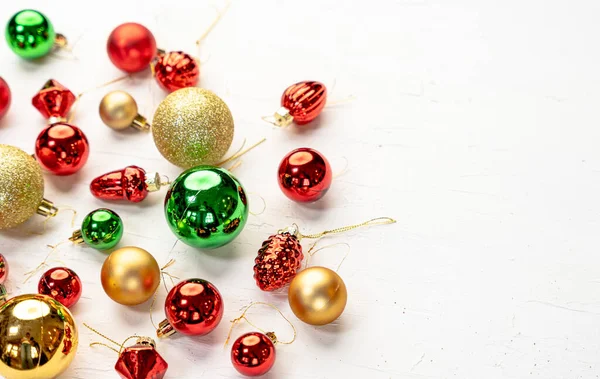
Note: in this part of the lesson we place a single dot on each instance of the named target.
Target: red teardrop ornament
(141, 361)
(53, 100)
(253, 354)
(126, 184)
(278, 261)
(176, 70)
(304, 100)
(62, 148)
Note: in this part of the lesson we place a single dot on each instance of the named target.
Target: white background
(475, 124)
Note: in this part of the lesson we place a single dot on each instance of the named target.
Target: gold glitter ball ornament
(192, 126)
(21, 186)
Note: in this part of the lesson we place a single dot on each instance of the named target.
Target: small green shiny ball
(30, 34)
(206, 207)
(102, 229)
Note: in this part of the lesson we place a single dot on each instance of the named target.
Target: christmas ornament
(253, 354)
(304, 175)
(61, 284)
(130, 275)
(31, 35)
(119, 111)
(300, 103)
(193, 307)
(101, 229)
(131, 183)
(5, 97)
(54, 101)
(21, 188)
(3, 276)
(62, 148)
(175, 70)
(192, 126)
(38, 337)
(138, 361)
(317, 295)
(206, 207)
(131, 47)
(280, 256)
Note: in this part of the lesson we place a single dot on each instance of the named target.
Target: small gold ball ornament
(317, 296)
(192, 126)
(118, 109)
(38, 337)
(21, 186)
(130, 275)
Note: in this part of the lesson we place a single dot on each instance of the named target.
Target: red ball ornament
(61, 284)
(304, 100)
(193, 307)
(62, 148)
(141, 361)
(5, 97)
(253, 354)
(176, 70)
(304, 175)
(131, 47)
(131, 184)
(278, 261)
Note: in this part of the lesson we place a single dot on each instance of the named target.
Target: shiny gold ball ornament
(21, 187)
(192, 126)
(38, 337)
(119, 111)
(317, 296)
(130, 275)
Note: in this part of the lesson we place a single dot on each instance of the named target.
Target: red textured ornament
(53, 100)
(129, 184)
(253, 354)
(61, 284)
(131, 47)
(176, 70)
(3, 269)
(192, 307)
(278, 261)
(304, 100)
(62, 148)
(304, 175)
(5, 97)
(141, 361)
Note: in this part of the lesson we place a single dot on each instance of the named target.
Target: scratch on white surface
(562, 307)
(417, 363)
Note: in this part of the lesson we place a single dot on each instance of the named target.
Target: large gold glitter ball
(21, 186)
(192, 126)
(38, 337)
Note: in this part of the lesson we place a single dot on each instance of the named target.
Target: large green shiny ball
(206, 207)
(102, 229)
(30, 34)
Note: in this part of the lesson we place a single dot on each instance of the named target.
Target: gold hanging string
(269, 334)
(264, 205)
(239, 153)
(234, 166)
(312, 251)
(78, 98)
(343, 171)
(170, 263)
(220, 14)
(340, 101)
(44, 263)
(375, 221)
(121, 345)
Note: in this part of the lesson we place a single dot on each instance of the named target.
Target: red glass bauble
(304, 175)
(176, 70)
(126, 184)
(5, 97)
(62, 148)
(304, 100)
(141, 361)
(194, 307)
(278, 261)
(3, 269)
(61, 284)
(131, 47)
(253, 354)
(53, 100)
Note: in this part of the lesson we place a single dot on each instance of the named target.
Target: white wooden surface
(475, 124)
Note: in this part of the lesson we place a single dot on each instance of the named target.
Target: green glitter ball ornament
(101, 229)
(30, 34)
(206, 207)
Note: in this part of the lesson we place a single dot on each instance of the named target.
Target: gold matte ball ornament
(118, 109)
(38, 337)
(21, 186)
(317, 296)
(130, 275)
(192, 126)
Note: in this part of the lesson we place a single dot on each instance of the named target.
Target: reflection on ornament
(5, 97)
(38, 338)
(131, 184)
(206, 207)
(101, 229)
(131, 47)
(31, 35)
(119, 111)
(301, 103)
(304, 175)
(62, 284)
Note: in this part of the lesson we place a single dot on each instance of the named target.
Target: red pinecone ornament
(278, 261)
